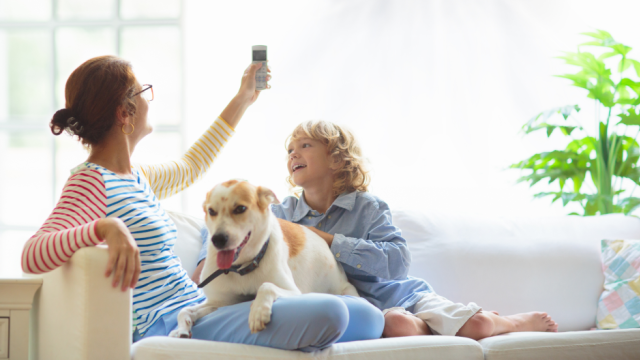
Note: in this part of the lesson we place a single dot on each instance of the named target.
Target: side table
(16, 298)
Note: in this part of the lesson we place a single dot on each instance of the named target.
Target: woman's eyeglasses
(147, 95)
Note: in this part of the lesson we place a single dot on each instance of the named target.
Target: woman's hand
(248, 90)
(246, 96)
(325, 236)
(124, 256)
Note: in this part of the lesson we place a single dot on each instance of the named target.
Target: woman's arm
(382, 252)
(71, 225)
(170, 178)
(78, 221)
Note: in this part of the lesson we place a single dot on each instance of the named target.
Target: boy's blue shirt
(370, 248)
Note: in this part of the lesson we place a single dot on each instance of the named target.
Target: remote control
(259, 55)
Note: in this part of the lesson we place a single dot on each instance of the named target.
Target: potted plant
(607, 150)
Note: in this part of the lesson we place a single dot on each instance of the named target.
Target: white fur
(313, 269)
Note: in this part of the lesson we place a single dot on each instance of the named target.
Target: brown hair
(93, 93)
(341, 145)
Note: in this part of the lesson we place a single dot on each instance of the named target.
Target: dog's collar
(236, 268)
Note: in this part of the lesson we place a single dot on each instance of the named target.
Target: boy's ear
(337, 162)
(266, 197)
(206, 199)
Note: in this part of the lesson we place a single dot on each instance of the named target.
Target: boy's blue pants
(307, 322)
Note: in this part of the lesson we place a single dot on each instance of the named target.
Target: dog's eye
(212, 212)
(240, 209)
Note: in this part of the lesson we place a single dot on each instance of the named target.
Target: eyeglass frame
(148, 86)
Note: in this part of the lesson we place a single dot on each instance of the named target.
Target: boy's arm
(383, 252)
(204, 234)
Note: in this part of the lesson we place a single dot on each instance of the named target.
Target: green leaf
(636, 65)
(624, 64)
(620, 48)
(550, 130)
(538, 122)
(631, 118)
(567, 129)
(629, 204)
(607, 55)
(599, 34)
(568, 197)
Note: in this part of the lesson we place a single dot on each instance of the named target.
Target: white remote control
(259, 55)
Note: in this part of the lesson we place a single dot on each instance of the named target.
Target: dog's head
(234, 211)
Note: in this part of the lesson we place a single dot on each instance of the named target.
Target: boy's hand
(325, 236)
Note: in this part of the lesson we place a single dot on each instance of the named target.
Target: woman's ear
(123, 115)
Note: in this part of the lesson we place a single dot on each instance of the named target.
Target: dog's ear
(266, 197)
(206, 199)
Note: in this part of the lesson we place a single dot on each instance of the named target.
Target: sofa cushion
(515, 265)
(619, 305)
(189, 240)
(414, 347)
(578, 345)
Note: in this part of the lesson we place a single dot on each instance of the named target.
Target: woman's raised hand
(124, 256)
(248, 85)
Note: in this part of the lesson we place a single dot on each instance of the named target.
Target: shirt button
(319, 224)
(359, 266)
(309, 217)
(329, 216)
(338, 255)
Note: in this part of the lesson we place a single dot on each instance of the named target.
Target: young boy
(325, 162)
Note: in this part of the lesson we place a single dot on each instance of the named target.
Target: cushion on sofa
(619, 305)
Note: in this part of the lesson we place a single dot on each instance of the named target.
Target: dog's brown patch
(293, 235)
(229, 183)
(246, 193)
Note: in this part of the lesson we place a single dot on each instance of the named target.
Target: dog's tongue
(225, 258)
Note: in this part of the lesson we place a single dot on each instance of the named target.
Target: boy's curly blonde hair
(342, 145)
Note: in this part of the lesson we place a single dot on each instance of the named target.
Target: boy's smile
(297, 166)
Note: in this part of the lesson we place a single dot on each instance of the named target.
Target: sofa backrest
(515, 265)
(189, 241)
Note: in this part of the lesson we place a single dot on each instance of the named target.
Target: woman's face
(142, 127)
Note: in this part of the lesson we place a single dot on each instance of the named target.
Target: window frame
(115, 25)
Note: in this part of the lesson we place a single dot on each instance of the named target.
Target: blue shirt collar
(345, 200)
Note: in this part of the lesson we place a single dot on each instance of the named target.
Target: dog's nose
(220, 240)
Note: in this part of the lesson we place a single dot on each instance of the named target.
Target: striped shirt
(93, 192)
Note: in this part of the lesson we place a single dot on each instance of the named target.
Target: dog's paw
(180, 333)
(259, 316)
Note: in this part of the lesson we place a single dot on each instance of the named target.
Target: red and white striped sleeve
(71, 225)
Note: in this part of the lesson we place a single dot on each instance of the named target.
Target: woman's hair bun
(64, 119)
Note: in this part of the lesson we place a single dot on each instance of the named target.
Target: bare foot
(397, 324)
(533, 321)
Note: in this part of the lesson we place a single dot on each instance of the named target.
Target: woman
(108, 199)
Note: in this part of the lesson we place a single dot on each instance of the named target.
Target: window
(41, 43)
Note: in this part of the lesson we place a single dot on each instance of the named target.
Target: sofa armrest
(77, 314)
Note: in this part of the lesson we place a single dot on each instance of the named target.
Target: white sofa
(509, 265)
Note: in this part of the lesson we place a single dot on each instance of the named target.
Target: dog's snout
(220, 240)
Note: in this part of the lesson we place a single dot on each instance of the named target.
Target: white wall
(436, 91)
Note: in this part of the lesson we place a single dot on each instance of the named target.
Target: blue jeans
(308, 322)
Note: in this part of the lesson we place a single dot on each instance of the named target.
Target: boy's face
(309, 163)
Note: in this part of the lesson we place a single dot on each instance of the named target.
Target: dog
(252, 253)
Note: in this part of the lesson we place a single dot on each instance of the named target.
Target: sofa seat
(414, 347)
(578, 345)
